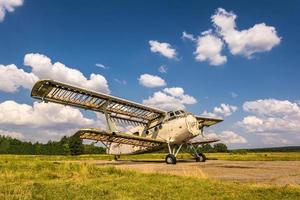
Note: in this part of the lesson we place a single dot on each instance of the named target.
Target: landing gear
(200, 157)
(174, 150)
(171, 159)
(116, 157)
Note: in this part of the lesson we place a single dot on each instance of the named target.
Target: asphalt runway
(261, 172)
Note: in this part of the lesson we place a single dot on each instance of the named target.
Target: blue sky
(261, 67)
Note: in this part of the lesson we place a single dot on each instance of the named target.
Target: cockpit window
(176, 114)
(171, 114)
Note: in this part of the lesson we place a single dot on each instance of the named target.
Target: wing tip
(35, 91)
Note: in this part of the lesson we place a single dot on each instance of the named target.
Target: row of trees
(217, 147)
(66, 146)
(71, 146)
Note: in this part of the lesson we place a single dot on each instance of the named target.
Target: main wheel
(171, 159)
(116, 157)
(201, 157)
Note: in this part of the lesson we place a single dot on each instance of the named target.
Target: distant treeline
(220, 147)
(217, 147)
(73, 146)
(66, 146)
(270, 149)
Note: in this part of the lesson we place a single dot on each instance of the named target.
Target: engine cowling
(193, 125)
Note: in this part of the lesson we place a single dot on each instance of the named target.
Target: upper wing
(207, 121)
(94, 134)
(119, 109)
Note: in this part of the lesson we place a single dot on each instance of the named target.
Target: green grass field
(40, 177)
(268, 156)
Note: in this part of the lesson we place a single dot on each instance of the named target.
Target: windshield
(177, 113)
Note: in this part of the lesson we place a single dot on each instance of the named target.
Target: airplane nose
(193, 125)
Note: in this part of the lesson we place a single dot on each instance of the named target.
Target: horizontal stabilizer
(207, 121)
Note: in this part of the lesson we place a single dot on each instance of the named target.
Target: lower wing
(120, 138)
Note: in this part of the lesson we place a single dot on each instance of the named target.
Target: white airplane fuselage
(173, 130)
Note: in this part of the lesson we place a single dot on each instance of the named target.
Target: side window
(177, 113)
(171, 114)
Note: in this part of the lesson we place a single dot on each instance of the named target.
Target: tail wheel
(171, 159)
(200, 157)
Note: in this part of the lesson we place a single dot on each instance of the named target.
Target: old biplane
(151, 129)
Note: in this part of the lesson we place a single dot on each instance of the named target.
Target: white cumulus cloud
(209, 114)
(232, 138)
(209, 49)
(259, 38)
(40, 114)
(170, 99)
(8, 6)
(228, 137)
(274, 140)
(151, 81)
(224, 110)
(164, 101)
(253, 120)
(42, 121)
(174, 91)
(272, 107)
(162, 48)
(271, 116)
(43, 68)
(12, 78)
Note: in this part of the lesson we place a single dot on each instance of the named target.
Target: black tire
(170, 159)
(116, 157)
(201, 157)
